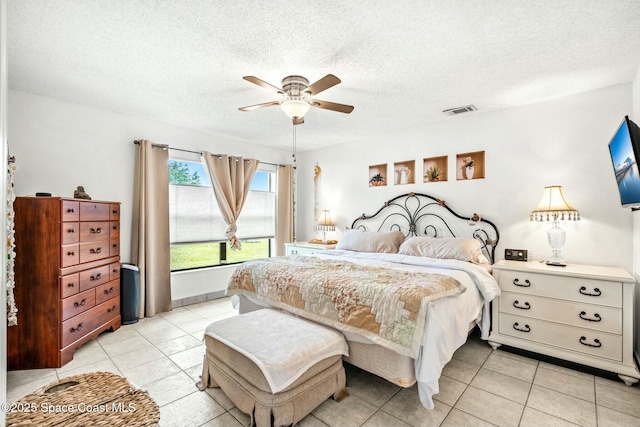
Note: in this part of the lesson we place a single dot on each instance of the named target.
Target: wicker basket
(93, 399)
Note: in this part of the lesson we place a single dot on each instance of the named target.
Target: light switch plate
(515, 254)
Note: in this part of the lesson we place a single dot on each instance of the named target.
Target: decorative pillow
(463, 249)
(371, 241)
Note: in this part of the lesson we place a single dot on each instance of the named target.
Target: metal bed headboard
(417, 214)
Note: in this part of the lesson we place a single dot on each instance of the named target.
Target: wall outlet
(515, 254)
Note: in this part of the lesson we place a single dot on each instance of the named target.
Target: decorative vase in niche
(403, 176)
(468, 172)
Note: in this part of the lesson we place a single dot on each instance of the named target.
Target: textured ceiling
(401, 62)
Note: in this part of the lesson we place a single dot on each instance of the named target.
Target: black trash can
(129, 293)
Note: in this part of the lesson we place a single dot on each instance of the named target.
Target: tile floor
(479, 387)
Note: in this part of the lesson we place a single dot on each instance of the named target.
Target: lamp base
(556, 263)
(556, 237)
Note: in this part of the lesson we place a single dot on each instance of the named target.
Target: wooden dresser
(67, 275)
(580, 313)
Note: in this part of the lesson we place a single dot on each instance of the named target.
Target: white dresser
(305, 248)
(579, 313)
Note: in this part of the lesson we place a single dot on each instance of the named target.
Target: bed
(406, 285)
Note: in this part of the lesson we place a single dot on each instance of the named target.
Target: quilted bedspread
(383, 304)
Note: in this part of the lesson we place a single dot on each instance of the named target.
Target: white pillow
(371, 241)
(459, 248)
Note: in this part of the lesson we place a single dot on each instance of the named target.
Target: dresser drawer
(76, 304)
(70, 210)
(590, 342)
(114, 247)
(114, 271)
(93, 251)
(93, 231)
(70, 232)
(77, 327)
(114, 229)
(107, 291)
(94, 277)
(90, 211)
(569, 288)
(108, 310)
(114, 212)
(69, 285)
(590, 316)
(69, 255)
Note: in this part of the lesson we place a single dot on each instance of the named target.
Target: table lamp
(554, 207)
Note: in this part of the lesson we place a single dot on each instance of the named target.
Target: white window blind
(195, 217)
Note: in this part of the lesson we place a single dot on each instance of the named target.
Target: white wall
(3, 209)
(562, 141)
(635, 116)
(60, 145)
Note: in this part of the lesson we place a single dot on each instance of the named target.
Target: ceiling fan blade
(323, 84)
(342, 108)
(255, 107)
(262, 83)
(298, 120)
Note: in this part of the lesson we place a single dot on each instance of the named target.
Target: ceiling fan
(298, 95)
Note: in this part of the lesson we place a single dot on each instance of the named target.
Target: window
(197, 227)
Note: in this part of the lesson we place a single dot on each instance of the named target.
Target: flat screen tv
(625, 153)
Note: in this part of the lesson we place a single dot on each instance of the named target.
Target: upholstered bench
(274, 366)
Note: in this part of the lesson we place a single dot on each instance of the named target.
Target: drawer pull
(526, 284)
(115, 227)
(108, 292)
(596, 292)
(115, 245)
(77, 328)
(71, 230)
(525, 306)
(72, 285)
(71, 210)
(96, 277)
(81, 303)
(95, 251)
(526, 328)
(115, 211)
(71, 253)
(112, 309)
(96, 230)
(596, 317)
(596, 342)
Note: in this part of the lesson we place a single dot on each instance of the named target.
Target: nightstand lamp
(324, 224)
(554, 207)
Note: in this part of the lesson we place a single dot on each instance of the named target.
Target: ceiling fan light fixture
(295, 108)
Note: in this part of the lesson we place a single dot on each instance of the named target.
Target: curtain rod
(195, 152)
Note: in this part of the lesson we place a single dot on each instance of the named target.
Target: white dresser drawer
(595, 343)
(590, 316)
(578, 289)
(305, 248)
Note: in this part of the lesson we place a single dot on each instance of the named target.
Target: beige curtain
(231, 177)
(284, 195)
(150, 229)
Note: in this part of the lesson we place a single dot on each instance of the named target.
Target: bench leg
(206, 379)
(341, 379)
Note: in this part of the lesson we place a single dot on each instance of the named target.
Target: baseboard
(197, 299)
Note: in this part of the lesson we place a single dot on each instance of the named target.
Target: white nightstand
(580, 313)
(305, 248)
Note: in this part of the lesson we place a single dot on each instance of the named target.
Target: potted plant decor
(376, 180)
(433, 173)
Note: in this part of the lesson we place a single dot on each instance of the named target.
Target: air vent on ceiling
(460, 110)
